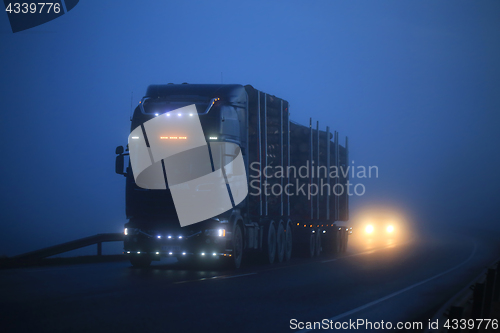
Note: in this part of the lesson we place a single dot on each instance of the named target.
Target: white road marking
(342, 315)
(220, 277)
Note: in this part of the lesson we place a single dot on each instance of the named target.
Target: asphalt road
(389, 280)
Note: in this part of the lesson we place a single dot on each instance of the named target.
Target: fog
(414, 85)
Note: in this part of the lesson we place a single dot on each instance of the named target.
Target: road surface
(392, 281)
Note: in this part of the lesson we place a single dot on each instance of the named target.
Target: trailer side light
(222, 232)
(180, 237)
(214, 254)
(212, 137)
(169, 237)
(179, 114)
(168, 114)
(138, 252)
(190, 114)
(203, 253)
(135, 137)
(125, 231)
(159, 237)
(156, 114)
(128, 251)
(170, 253)
(324, 231)
(157, 252)
(298, 223)
(183, 253)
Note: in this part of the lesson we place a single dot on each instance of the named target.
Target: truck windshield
(160, 105)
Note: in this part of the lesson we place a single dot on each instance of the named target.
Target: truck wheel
(237, 246)
(318, 243)
(280, 242)
(312, 244)
(140, 262)
(345, 239)
(271, 243)
(338, 241)
(288, 242)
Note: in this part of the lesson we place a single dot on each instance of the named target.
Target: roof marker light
(180, 237)
(190, 114)
(159, 237)
(135, 137)
(157, 252)
(139, 252)
(179, 114)
(170, 253)
(156, 114)
(169, 237)
(168, 114)
(214, 254)
(183, 253)
(203, 253)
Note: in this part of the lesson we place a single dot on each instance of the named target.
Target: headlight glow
(369, 229)
(390, 228)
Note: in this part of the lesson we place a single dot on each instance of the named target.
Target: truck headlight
(390, 228)
(216, 232)
(369, 229)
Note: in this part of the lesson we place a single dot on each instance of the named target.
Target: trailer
(294, 197)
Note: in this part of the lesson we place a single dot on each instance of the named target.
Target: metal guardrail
(69, 246)
(474, 301)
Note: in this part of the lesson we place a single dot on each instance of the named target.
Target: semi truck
(295, 193)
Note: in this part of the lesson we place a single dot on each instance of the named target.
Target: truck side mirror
(119, 164)
(119, 150)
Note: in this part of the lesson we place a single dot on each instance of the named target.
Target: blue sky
(415, 86)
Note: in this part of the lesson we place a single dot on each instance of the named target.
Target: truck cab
(153, 229)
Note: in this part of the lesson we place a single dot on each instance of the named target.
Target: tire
(140, 262)
(312, 245)
(288, 242)
(338, 241)
(237, 246)
(317, 251)
(344, 241)
(280, 242)
(328, 241)
(271, 243)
